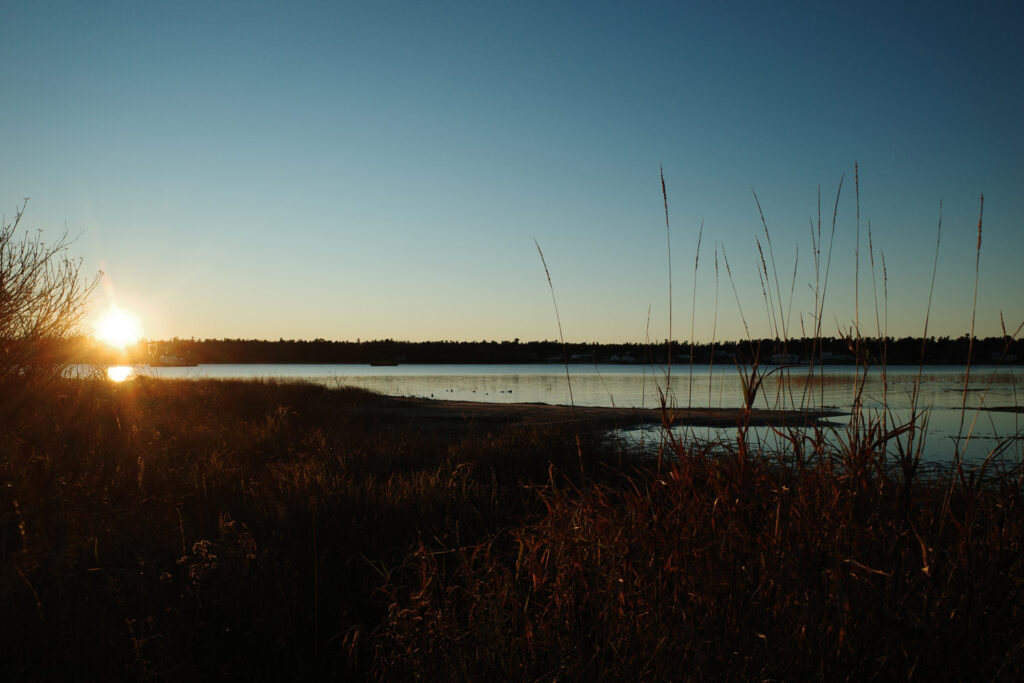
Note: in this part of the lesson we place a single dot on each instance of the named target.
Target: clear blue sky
(370, 170)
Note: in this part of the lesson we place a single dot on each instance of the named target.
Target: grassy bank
(211, 530)
(728, 569)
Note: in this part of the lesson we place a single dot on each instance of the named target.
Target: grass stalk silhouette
(693, 312)
(974, 309)
(668, 252)
(565, 353)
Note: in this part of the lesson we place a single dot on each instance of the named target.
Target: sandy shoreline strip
(595, 416)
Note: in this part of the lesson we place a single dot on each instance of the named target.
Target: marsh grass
(827, 555)
(719, 569)
(234, 529)
(262, 531)
(182, 530)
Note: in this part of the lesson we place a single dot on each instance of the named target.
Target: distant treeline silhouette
(905, 350)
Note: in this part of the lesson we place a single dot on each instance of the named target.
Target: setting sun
(118, 327)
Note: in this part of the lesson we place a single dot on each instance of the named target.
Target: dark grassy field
(237, 530)
(229, 529)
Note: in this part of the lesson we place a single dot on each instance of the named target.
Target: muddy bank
(440, 412)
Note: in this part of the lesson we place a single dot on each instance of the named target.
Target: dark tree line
(896, 351)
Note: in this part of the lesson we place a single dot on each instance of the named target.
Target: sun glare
(118, 327)
(120, 373)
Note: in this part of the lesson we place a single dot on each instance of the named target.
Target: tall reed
(738, 561)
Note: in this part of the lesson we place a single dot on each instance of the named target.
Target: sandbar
(435, 410)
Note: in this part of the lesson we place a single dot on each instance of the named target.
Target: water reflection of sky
(941, 391)
(994, 434)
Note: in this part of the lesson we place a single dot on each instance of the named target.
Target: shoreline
(440, 410)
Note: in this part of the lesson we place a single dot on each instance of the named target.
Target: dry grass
(265, 531)
(259, 531)
(230, 529)
(170, 530)
(735, 568)
(831, 560)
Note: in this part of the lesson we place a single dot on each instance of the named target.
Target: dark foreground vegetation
(225, 531)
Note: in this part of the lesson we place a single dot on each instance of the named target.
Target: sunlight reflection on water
(120, 373)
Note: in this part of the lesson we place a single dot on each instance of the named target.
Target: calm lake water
(942, 392)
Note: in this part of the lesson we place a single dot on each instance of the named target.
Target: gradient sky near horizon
(347, 170)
